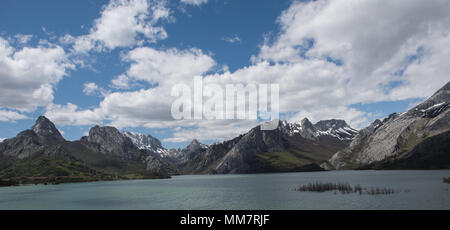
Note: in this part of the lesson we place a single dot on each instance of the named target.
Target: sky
(100, 62)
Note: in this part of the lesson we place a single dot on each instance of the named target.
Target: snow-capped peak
(333, 128)
(147, 142)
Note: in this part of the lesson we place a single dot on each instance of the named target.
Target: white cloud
(232, 39)
(194, 2)
(92, 89)
(23, 38)
(167, 67)
(70, 114)
(122, 82)
(11, 116)
(2, 139)
(373, 40)
(370, 43)
(150, 108)
(29, 75)
(67, 39)
(124, 23)
(145, 107)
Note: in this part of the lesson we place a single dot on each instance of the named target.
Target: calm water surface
(416, 190)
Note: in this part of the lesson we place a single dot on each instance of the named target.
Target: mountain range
(417, 138)
(41, 153)
(291, 147)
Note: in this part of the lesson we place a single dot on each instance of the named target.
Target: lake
(414, 190)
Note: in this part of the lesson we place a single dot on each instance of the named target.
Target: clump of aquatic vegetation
(446, 180)
(344, 188)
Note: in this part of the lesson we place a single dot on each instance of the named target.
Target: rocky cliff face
(199, 160)
(33, 141)
(111, 141)
(240, 159)
(396, 136)
(47, 131)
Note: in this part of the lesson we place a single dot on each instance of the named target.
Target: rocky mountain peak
(332, 128)
(45, 129)
(144, 141)
(303, 128)
(305, 123)
(98, 134)
(191, 151)
(107, 137)
(331, 124)
(149, 143)
(195, 142)
(195, 145)
(376, 123)
(335, 128)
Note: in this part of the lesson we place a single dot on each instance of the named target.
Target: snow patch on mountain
(148, 142)
(333, 128)
(432, 107)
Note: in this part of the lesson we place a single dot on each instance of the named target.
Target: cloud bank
(326, 57)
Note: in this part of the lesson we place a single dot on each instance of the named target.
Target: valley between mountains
(416, 139)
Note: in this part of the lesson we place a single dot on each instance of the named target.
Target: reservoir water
(414, 190)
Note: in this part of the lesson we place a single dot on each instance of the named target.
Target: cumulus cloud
(70, 114)
(374, 41)
(194, 2)
(11, 116)
(167, 67)
(327, 56)
(92, 89)
(124, 23)
(121, 82)
(28, 75)
(145, 107)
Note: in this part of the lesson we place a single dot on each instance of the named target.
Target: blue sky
(237, 36)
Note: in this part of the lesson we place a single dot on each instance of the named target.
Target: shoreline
(19, 181)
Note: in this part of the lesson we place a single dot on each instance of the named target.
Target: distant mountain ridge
(297, 146)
